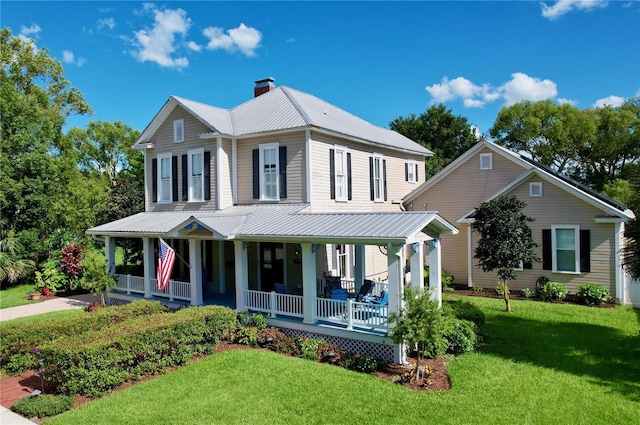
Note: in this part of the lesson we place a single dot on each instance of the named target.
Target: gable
(163, 136)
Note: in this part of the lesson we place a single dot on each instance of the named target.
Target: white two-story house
(265, 202)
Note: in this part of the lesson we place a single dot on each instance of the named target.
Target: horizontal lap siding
(456, 194)
(296, 172)
(397, 187)
(163, 140)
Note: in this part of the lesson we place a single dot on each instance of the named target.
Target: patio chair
(339, 294)
(331, 283)
(281, 288)
(365, 290)
(378, 301)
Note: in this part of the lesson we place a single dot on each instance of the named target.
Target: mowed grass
(541, 364)
(15, 295)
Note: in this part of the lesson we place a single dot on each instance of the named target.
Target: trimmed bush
(97, 361)
(592, 294)
(461, 336)
(20, 343)
(553, 291)
(42, 405)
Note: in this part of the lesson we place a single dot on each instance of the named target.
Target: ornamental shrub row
(100, 360)
(19, 342)
(42, 405)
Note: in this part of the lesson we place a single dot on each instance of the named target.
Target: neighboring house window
(378, 178)
(535, 189)
(486, 161)
(196, 175)
(411, 171)
(178, 131)
(165, 178)
(340, 174)
(565, 241)
(270, 172)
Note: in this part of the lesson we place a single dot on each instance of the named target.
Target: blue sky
(377, 60)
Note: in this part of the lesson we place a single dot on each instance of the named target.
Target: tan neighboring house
(266, 202)
(579, 232)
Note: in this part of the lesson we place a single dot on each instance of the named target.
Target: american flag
(166, 257)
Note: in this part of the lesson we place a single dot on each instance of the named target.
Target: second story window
(165, 179)
(178, 131)
(378, 176)
(411, 171)
(341, 175)
(196, 175)
(269, 171)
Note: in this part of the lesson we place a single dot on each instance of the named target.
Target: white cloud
(158, 44)
(106, 22)
(609, 101)
(194, 46)
(243, 38)
(562, 101)
(562, 7)
(28, 33)
(69, 57)
(520, 87)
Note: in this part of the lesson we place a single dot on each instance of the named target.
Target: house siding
(457, 193)
(296, 172)
(163, 140)
(397, 187)
(225, 173)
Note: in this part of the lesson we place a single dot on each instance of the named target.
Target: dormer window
(486, 161)
(535, 189)
(178, 131)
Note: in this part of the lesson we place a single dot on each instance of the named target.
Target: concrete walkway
(56, 304)
(7, 417)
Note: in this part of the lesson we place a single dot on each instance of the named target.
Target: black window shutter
(547, 262)
(371, 182)
(154, 179)
(406, 171)
(417, 179)
(332, 173)
(349, 191)
(185, 179)
(207, 176)
(585, 251)
(283, 171)
(384, 177)
(174, 177)
(256, 174)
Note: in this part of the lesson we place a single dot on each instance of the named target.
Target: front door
(271, 265)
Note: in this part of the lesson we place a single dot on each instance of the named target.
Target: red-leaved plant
(71, 258)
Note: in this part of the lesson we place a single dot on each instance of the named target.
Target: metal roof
(283, 109)
(285, 222)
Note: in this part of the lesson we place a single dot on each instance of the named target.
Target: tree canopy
(446, 135)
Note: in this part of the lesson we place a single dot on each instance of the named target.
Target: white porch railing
(350, 286)
(351, 313)
(273, 303)
(176, 290)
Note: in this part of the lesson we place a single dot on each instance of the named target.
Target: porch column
(359, 270)
(148, 264)
(110, 254)
(435, 265)
(242, 272)
(417, 265)
(195, 271)
(308, 283)
(396, 270)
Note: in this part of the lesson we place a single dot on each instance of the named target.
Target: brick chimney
(263, 86)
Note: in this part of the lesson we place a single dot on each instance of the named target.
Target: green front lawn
(542, 364)
(15, 295)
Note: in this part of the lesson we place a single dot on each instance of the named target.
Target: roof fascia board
(322, 239)
(368, 142)
(155, 123)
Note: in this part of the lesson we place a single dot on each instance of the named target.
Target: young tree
(505, 239)
(631, 250)
(446, 135)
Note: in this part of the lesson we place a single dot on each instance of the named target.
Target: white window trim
(192, 195)
(483, 156)
(411, 171)
(378, 197)
(159, 177)
(263, 147)
(554, 252)
(343, 197)
(532, 189)
(178, 124)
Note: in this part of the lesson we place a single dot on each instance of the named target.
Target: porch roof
(286, 223)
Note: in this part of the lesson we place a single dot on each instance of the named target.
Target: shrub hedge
(20, 343)
(42, 405)
(96, 361)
